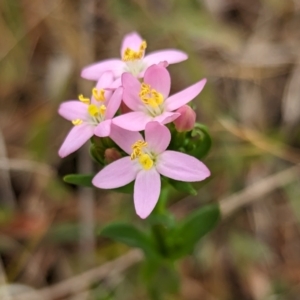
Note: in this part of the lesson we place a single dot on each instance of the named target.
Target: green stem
(158, 231)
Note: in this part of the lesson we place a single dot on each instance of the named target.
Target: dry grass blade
(82, 281)
(24, 165)
(279, 150)
(257, 190)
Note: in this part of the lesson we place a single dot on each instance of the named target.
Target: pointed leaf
(193, 228)
(129, 235)
(181, 186)
(79, 179)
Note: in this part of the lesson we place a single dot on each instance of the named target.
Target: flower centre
(150, 96)
(145, 159)
(96, 112)
(131, 55)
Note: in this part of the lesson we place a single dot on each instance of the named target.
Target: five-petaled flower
(90, 115)
(149, 100)
(133, 59)
(147, 160)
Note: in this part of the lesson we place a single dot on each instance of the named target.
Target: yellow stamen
(146, 161)
(83, 99)
(98, 94)
(137, 149)
(102, 109)
(130, 55)
(93, 110)
(150, 96)
(77, 122)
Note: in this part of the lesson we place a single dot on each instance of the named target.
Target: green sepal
(97, 154)
(190, 230)
(130, 236)
(199, 142)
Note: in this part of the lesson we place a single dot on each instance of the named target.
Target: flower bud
(111, 154)
(186, 120)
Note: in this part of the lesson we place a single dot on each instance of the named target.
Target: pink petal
(77, 136)
(106, 79)
(124, 138)
(114, 103)
(172, 56)
(157, 136)
(146, 192)
(94, 71)
(103, 128)
(134, 121)
(117, 83)
(72, 110)
(185, 96)
(131, 40)
(131, 92)
(166, 117)
(180, 166)
(159, 79)
(116, 174)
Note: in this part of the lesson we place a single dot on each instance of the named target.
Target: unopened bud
(186, 120)
(111, 154)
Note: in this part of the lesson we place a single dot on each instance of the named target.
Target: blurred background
(249, 52)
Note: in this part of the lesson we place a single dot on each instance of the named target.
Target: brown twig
(7, 192)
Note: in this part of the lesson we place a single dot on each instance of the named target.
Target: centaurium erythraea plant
(148, 159)
(133, 59)
(90, 115)
(150, 100)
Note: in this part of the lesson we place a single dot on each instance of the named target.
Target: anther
(98, 94)
(77, 122)
(84, 99)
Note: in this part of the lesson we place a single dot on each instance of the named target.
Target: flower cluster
(141, 83)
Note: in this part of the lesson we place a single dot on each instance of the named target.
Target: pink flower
(149, 101)
(147, 161)
(90, 116)
(132, 60)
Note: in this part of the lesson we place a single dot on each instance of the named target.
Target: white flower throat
(134, 60)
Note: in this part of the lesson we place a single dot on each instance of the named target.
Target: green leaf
(129, 235)
(79, 179)
(181, 186)
(126, 189)
(193, 228)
